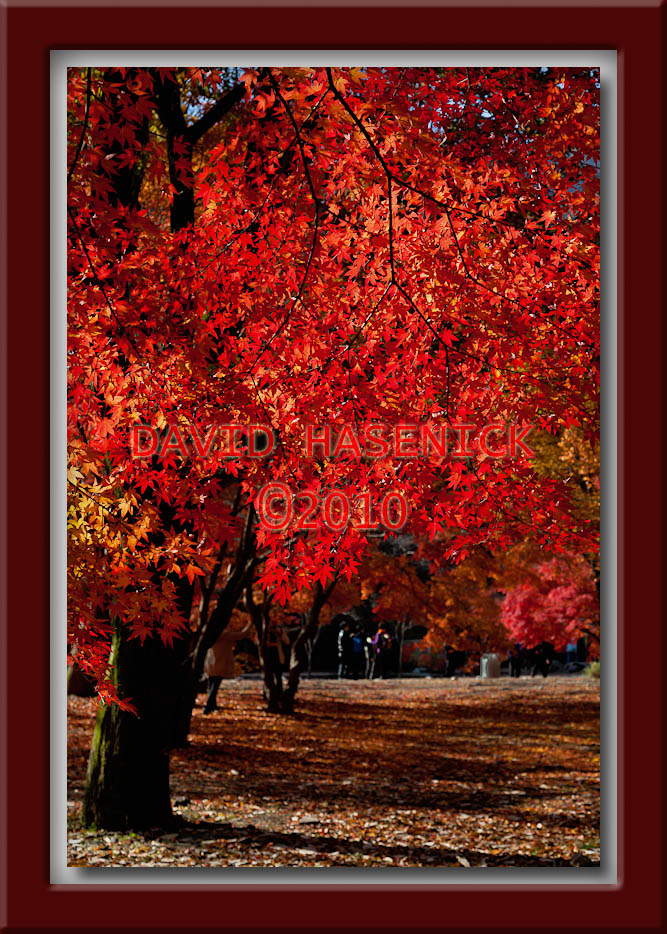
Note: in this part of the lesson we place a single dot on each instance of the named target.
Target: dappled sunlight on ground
(414, 772)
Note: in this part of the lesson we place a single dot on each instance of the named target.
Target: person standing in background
(344, 647)
(371, 650)
(219, 663)
(358, 656)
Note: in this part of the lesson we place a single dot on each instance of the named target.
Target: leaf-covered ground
(425, 772)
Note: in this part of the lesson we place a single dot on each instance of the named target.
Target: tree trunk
(298, 654)
(211, 626)
(168, 98)
(188, 693)
(401, 640)
(260, 615)
(273, 681)
(127, 784)
(192, 670)
(181, 139)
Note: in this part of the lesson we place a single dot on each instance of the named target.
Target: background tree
(560, 605)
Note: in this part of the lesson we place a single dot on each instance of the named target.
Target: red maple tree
(560, 605)
(309, 246)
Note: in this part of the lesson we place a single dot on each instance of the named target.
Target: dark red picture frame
(29, 901)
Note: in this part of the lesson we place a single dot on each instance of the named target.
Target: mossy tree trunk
(127, 784)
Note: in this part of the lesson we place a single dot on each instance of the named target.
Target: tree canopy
(294, 247)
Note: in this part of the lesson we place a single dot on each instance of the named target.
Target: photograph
(332, 418)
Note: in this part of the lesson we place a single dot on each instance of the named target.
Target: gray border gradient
(607, 875)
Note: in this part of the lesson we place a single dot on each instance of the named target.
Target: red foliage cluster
(560, 606)
(369, 245)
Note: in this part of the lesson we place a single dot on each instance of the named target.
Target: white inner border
(607, 875)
